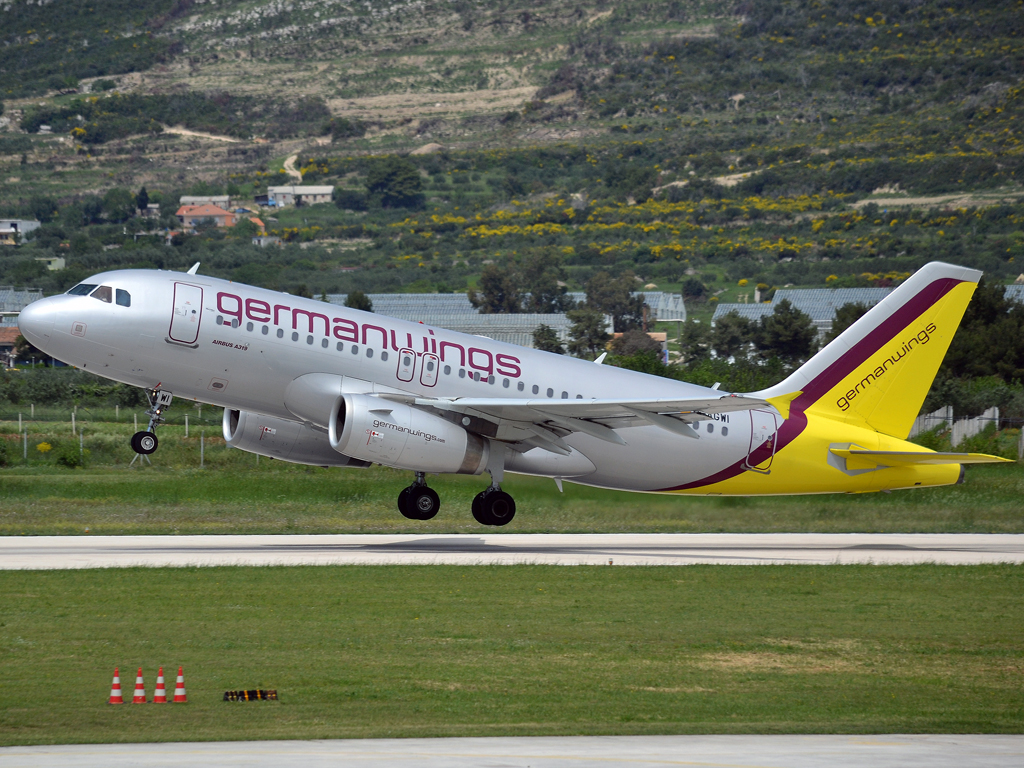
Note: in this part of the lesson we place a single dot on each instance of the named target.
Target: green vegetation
(529, 650)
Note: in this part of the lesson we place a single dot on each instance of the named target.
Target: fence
(962, 429)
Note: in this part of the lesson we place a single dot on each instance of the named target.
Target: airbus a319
(313, 383)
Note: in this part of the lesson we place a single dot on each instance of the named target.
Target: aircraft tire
(494, 507)
(144, 443)
(423, 502)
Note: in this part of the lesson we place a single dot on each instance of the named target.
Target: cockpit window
(124, 298)
(104, 293)
(82, 289)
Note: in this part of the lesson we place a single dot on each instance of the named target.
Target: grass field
(460, 651)
(233, 493)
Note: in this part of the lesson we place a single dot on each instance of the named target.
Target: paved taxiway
(547, 752)
(42, 552)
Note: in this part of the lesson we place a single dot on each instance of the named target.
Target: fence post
(186, 425)
(117, 413)
(72, 422)
(1020, 445)
(19, 422)
(33, 407)
(202, 439)
(81, 444)
(135, 421)
(24, 448)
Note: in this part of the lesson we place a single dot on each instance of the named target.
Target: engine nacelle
(280, 439)
(397, 435)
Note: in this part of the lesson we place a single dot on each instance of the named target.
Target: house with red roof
(190, 215)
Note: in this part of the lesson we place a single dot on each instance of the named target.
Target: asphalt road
(42, 552)
(916, 751)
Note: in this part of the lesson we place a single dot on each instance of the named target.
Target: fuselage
(240, 347)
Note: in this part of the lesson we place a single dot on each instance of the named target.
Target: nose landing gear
(145, 442)
(418, 502)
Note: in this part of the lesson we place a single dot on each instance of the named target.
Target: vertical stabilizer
(879, 370)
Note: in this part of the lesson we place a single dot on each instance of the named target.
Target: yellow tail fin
(878, 372)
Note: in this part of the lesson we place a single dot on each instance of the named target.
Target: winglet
(195, 268)
(600, 359)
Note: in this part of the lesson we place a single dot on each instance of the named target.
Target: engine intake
(398, 435)
(280, 439)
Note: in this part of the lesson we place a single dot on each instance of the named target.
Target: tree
(846, 315)
(118, 204)
(990, 339)
(43, 208)
(359, 300)
(633, 342)
(588, 336)
(543, 280)
(695, 342)
(394, 182)
(732, 336)
(694, 290)
(614, 296)
(142, 199)
(546, 339)
(787, 333)
(500, 291)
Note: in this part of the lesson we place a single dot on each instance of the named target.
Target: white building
(298, 195)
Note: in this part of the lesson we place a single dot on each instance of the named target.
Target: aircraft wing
(543, 421)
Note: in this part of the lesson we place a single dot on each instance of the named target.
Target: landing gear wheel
(418, 502)
(494, 507)
(144, 443)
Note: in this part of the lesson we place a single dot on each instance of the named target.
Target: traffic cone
(115, 688)
(179, 688)
(140, 689)
(160, 694)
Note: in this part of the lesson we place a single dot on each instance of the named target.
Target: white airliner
(313, 383)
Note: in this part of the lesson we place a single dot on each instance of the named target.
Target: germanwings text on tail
(330, 386)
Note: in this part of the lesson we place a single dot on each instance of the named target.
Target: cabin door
(764, 426)
(188, 311)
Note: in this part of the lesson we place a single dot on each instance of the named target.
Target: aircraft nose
(36, 322)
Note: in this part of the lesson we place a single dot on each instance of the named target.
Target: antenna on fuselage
(195, 267)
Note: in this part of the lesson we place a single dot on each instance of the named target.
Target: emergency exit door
(188, 311)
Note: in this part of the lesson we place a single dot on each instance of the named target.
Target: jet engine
(398, 435)
(280, 439)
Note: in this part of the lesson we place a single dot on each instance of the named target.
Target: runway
(900, 751)
(48, 552)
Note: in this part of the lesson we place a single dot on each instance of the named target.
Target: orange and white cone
(140, 689)
(160, 694)
(115, 688)
(179, 688)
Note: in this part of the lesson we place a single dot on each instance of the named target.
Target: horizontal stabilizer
(856, 456)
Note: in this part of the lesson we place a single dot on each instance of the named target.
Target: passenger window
(521, 386)
(355, 350)
(295, 336)
(220, 319)
(124, 299)
(476, 375)
(462, 373)
(82, 289)
(447, 370)
(725, 431)
(324, 343)
(551, 392)
(711, 427)
(504, 383)
(536, 389)
(104, 293)
(579, 397)
(248, 326)
(565, 395)
(280, 333)
(369, 352)
(266, 330)
(341, 347)
(384, 356)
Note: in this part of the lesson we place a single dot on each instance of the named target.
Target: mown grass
(233, 493)
(538, 650)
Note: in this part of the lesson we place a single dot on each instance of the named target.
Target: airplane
(314, 383)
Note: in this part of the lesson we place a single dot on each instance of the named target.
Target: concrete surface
(548, 752)
(41, 552)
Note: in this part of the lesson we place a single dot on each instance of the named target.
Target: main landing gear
(145, 442)
(418, 502)
(490, 507)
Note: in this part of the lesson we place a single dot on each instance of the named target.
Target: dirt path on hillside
(426, 104)
(291, 170)
(199, 135)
